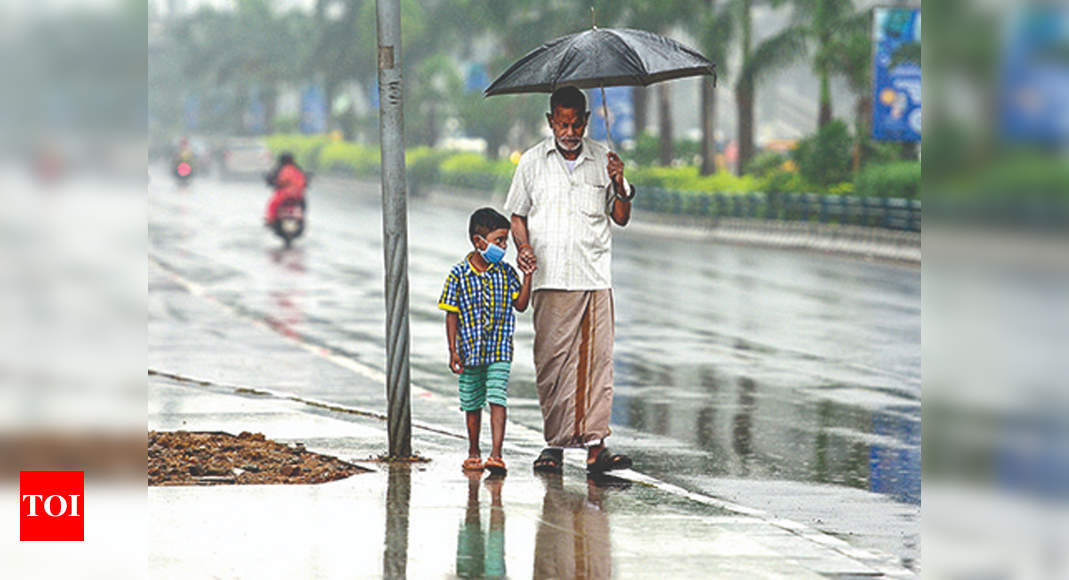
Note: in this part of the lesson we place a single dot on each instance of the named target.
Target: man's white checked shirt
(567, 215)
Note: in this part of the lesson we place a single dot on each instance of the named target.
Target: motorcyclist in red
(289, 183)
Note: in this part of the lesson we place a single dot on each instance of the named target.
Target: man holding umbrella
(563, 194)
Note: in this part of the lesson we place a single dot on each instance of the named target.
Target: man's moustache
(576, 144)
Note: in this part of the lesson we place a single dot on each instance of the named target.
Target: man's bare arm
(526, 256)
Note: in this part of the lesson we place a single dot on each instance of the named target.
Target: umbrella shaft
(605, 115)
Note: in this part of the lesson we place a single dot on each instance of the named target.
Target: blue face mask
(493, 252)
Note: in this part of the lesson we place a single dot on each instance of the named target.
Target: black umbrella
(601, 57)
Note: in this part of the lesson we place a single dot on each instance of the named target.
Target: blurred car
(244, 159)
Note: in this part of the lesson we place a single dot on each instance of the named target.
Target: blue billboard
(896, 110)
(313, 110)
(255, 118)
(1035, 73)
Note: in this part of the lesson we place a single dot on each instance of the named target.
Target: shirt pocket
(592, 200)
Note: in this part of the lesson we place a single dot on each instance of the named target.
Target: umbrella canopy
(601, 57)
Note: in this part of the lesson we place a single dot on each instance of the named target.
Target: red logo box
(51, 506)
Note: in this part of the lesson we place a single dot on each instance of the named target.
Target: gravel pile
(195, 458)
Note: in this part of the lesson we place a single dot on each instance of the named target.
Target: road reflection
(481, 554)
(573, 532)
(398, 497)
(291, 259)
(753, 430)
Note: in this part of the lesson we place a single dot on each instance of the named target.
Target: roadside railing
(881, 212)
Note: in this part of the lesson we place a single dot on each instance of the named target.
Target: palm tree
(660, 17)
(851, 58)
(716, 31)
(237, 51)
(515, 31)
(334, 55)
(828, 23)
(780, 49)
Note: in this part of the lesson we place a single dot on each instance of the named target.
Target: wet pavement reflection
(398, 499)
(731, 363)
(573, 533)
(481, 551)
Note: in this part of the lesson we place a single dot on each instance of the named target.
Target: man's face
(568, 127)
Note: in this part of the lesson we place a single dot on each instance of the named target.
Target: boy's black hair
(486, 220)
(568, 98)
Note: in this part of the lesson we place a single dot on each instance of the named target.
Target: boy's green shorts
(484, 384)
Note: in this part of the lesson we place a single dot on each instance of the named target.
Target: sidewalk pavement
(208, 373)
(431, 520)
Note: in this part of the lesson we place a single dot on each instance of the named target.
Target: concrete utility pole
(394, 228)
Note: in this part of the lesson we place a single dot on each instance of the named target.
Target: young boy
(478, 298)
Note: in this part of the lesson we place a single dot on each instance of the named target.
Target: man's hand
(528, 267)
(455, 364)
(616, 171)
(525, 256)
(526, 260)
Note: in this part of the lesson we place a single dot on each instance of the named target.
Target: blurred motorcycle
(289, 224)
(183, 171)
(289, 217)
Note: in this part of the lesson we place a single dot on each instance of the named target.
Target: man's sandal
(606, 461)
(473, 464)
(550, 461)
(496, 466)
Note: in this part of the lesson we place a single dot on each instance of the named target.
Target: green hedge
(427, 166)
(305, 148)
(350, 158)
(687, 178)
(475, 171)
(899, 179)
(422, 164)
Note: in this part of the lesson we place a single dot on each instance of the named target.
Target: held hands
(528, 268)
(526, 260)
(616, 171)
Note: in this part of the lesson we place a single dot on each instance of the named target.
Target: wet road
(783, 380)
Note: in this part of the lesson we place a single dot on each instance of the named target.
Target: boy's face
(499, 237)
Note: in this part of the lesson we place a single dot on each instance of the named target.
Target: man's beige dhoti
(573, 362)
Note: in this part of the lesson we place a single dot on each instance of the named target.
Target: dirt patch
(195, 458)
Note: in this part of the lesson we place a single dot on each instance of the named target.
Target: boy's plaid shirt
(484, 303)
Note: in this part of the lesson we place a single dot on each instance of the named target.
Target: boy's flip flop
(473, 464)
(606, 461)
(496, 466)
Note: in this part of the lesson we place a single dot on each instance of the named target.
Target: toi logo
(51, 506)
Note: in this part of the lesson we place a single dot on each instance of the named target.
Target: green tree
(234, 53)
(515, 31)
(829, 25)
(335, 58)
(825, 158)
(716, 32)
(851, 58)
(661, 17)
(776, 51)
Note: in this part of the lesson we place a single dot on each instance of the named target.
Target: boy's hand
(455, 364)
(527, 267)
